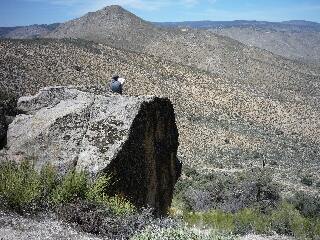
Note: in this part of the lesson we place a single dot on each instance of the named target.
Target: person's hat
(115, 77)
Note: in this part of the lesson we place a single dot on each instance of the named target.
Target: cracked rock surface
(133, 138)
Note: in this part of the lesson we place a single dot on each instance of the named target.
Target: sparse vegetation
(284, 220)
(97, 193)
(179, 233)
(23, 189)
(248, 202)
(307, 204)
(245, 108)
(202, 192)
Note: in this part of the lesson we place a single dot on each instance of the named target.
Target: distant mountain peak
(112, 12)
(114, 8)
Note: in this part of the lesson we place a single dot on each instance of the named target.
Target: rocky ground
(15, 227)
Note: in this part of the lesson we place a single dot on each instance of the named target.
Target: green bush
(250, 220)
(120, 206)
(215, 219)
(308, 204)
(22, 188)
(20, 185)
(314, 228)
(288, 220)
(48, 181)
(97, 194)
(73, 186)
(219, 220)
(285, 220)
(179, 233)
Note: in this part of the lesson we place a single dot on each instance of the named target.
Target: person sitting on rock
(116, 84)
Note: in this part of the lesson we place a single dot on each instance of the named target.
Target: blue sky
(25, 12)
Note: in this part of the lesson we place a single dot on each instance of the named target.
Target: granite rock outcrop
(133, 139)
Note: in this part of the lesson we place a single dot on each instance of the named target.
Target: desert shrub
(48, 180)
(21, 186)
(73, 186)
(177, 207)
(198, 199)
(97, 193)
(119, 205)
(307, 204)
(179, 233)
(193, 218)
(215, 219)
(219, 220)
(287, 220)
(202, 192)
(251, 221)
(97, 219)
(314, 228)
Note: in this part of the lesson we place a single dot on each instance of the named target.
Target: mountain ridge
(293, 39)
(27, 32)
(207, 24)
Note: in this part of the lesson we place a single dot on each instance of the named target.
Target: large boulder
(133, 138)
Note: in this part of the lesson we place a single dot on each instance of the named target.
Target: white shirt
(121, 80)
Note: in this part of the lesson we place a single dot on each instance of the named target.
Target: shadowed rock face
(147, 159)
(133, 138)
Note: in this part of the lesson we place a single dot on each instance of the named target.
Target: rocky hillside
(198, 48)
(225, 124)
(303, 46)
(293, 25)
(299, 40)
(27, 32)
